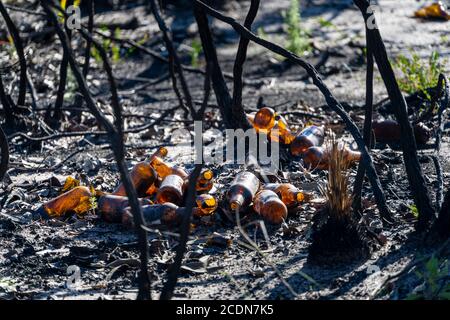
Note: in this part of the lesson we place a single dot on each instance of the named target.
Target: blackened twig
(156, 55)
(4, 153)
(174, 269)
(441, 227)
(241, 55)
(443, 85)
(20, 53)
(206, 93)
(439, 182)
(59, 135)
(367, 131)
(174, 60)
(223, 97)
(330, 99)
(9, 115)
(117, 145)
(33, 93)
(57, 112)
(55, 118)
(90, 28)
(413, 169)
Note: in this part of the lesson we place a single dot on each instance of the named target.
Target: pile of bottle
(308, 143)
(271, 201)
(159, 185)
(161, 189)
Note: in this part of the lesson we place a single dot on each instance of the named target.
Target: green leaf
(414, 211)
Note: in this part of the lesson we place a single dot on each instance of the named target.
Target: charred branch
(90, 28)
(174, 270)
(4, 153)
(367, 130)
(241, 55)
(20, 53)
(219, 85)
(414, 171)
(174, 60)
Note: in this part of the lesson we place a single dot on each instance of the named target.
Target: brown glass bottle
(206, 203)
(284, 134)
(77, 200)
(436, 10)
(164, 169)
(111, 207)
(143, 176)
(311, 136)
(205, 181)
(270, 206)
(264, 119)
(388, 131)
(242, 190)
(319, 157)
(171, 190)
(288, 193)
(167, 214)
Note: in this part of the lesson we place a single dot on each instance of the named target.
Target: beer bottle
(171, 190)
(205, 181)
(206, 203)
(270, 207)
(264, 119)
(311, 136)
(319, 157)
(162, 168)
(78, 200)
(242, 190)
(111, 207)
(288, 193)
(388, 131)
(285, 135)
(143, 175)
(167, 213)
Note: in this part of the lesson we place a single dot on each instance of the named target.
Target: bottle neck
(299, 197)
(237, 201)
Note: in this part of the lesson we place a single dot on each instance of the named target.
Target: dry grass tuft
(339, 199)
(337, 236)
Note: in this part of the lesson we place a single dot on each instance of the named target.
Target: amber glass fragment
(79, 200)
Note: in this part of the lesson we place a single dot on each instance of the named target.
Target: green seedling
(434, 278)
(416, 74)
(297, 35)
(195, 52)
